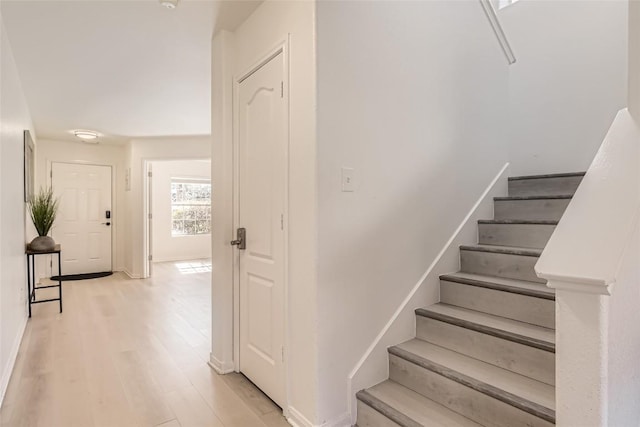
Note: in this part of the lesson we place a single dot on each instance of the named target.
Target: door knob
(241, 239)
(106, 223)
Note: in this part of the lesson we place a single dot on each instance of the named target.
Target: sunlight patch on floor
(192, 267)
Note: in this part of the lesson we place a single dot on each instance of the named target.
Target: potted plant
(43, 208)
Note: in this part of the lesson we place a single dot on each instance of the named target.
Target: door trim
(281, 47)
(115, 214)
(147, 271)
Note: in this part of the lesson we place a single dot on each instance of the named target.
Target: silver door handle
(241, 239)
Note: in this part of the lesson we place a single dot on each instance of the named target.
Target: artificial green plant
(43, 208)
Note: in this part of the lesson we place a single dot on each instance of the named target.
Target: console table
(31, 272)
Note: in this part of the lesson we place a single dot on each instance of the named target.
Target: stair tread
(545, 335)
(525, 286)
(505, 383)
(552, 175)
(421, 410)
(545, 197)
(509, 250)
(517, 222)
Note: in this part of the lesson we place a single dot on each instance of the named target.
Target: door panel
(262, 145)
(84, 193)
(260, 313)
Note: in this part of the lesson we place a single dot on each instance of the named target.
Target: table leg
(29, 283)
(60, 281)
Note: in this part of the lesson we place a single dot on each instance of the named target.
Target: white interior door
(262, 145)
(82, 227)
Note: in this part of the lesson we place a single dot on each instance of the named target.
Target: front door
(82, 228)
(262, 145)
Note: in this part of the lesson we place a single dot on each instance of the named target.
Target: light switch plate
(348, 179)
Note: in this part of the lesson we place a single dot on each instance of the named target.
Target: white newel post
(581, 359)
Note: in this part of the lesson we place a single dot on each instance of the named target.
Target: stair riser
(537, 311)
(369, 417)
(519, 358)
(510, 266)
(522, 235)
(534, 210)
(464, 400)
(544, 186)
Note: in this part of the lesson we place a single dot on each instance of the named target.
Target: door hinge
(150, 257)
(51, 174)
(150, 174)
(281, 89)
(150, 216)
(281, 221)
(282, 352)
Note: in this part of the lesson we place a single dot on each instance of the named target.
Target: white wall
(413, 96)
(268, 26)
(166, 247)
(223, 69)
(138, 152)
(14, 119)
(568, 83)
(109, 155)
(634, 58)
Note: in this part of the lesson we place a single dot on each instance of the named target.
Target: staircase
(484, 355)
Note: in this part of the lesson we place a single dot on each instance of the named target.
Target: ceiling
(126, 69)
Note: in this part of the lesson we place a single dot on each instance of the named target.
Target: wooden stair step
(510, 262)
(527, 302)
(525, 394)
(559, 183)
(500, 327)
(407, 408)
(545, 208)
(522, 287)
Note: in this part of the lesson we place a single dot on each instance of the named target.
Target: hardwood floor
(130, 353)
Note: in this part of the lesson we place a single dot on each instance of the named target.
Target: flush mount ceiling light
(86, 135)
(169, 4)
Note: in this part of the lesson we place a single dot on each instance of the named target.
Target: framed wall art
(29, 166)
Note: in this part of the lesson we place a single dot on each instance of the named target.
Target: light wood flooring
(130, 353)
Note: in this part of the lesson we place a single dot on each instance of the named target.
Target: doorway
(178, 206)
(262, 156)
(84, 221)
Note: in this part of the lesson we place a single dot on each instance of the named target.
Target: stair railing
(492, 16)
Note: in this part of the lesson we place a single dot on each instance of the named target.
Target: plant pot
(42, 243)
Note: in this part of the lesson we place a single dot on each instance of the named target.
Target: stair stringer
(373, 367)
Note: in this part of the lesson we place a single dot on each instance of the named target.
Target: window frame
(173, 204)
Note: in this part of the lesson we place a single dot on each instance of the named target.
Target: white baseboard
(296, 419)
(131, 275)
(342, 421)
(372, 367)
(181, 258)
(8, 370)
(221, 368)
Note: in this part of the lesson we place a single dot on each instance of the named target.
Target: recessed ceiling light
(86, 135)
(169, 4)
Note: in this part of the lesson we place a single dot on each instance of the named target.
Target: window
(190, 207)
(505, 3)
